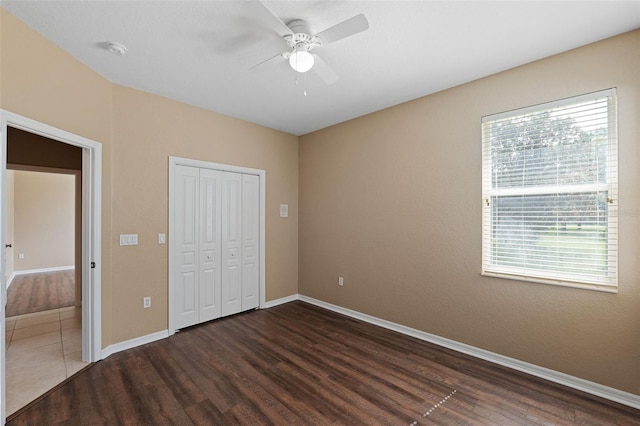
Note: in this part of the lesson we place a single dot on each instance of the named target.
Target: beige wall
(138, 132)
(147, 130)
(40, 81)
(44, 220)
(392, 202)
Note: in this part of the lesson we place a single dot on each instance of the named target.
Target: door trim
(91, 234)
(178, 161)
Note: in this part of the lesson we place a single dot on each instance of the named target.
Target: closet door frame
(178, 161)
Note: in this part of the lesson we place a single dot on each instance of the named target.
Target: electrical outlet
(340, 281)
(146, 302)
(21, 256)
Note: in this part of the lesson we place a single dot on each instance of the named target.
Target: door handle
(8, 245)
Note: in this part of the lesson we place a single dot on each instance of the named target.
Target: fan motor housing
(300, 26)
(301, 36)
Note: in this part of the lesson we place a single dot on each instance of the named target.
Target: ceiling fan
(301, 40)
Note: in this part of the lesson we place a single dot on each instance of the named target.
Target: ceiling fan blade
(267, 16)
(344, 29)
(272, 59)
(324, 71)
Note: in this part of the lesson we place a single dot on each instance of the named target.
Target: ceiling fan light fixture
(301, 60)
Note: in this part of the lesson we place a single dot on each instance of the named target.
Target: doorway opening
(44, 238)
(81, 158)
(43, 315)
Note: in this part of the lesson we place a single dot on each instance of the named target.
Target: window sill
(584, 286)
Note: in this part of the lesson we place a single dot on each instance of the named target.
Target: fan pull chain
(304, 89)
(305, 85)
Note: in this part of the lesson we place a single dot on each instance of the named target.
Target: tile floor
(43, 349)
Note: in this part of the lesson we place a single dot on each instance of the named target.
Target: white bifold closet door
(216, 234)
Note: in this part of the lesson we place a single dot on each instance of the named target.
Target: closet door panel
(186, 238)
(250, 241)
(231, 243)
(209, 246)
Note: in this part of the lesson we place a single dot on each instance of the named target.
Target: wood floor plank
(205, 412)
(183, 387)
(298, 364)
(40, 292)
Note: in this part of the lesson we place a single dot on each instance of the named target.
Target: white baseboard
(593, 388)
(37, 271)
(132, 343)
(281, 301)
(10, 279)
(41, 270)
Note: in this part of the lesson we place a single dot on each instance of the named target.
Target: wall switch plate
(284, 210)
(128, 239)
(162, 238)
(146, 302)
(340, 281)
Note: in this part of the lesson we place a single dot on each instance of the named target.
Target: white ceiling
(199, 52)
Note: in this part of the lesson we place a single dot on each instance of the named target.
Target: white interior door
(231, 243)
(209, 247)
(250, 241)
(185, 207)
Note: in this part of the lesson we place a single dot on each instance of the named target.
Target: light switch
(128, 239)
(284, 210)
(161, 238)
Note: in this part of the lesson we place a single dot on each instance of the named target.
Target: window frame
(608, 283)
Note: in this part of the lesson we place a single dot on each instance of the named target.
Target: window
(550, 193)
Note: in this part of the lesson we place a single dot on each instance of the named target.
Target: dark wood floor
(40, 292)
(301, 365)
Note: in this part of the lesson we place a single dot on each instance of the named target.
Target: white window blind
(550, 192)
